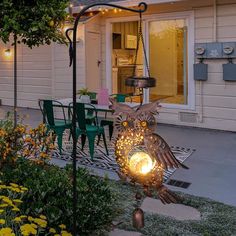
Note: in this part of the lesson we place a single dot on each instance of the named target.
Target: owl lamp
(142, 155)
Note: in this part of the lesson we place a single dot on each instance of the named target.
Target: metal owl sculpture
(141, 154)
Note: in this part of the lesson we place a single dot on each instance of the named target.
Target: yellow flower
(30, 218)
(28, 229)
(6, 232)
(7, 200)
(17, 219)
(17, 201)
(43, 155)
(23, 217)
(17, 190)
(14, 185)
(24, 189)
(15, 209)
(2, 221)
(3, 205)
(43, 217)
(1, 211)
(62, 226)
(65, 233)
(52, 230)
(34, 225)
(40, 222)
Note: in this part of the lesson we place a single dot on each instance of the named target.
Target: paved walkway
(212, 170)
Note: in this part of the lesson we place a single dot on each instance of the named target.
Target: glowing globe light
(141, 163)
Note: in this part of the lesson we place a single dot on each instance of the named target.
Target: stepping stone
(118, 232)
(177, 211)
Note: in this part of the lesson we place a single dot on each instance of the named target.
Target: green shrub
(50, 193)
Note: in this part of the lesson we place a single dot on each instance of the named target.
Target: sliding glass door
(168, 52)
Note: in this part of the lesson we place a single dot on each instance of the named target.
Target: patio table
(102, 108)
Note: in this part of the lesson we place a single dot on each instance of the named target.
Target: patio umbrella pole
(15, 81)
(142, 8)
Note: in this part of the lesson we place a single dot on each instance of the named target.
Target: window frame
(188, 16)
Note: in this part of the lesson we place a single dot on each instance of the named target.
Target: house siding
(62, 73)
(33, 75)
(219, 97)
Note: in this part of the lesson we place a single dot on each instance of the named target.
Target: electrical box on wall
(215, 50)
(229, 72)
(200, 71)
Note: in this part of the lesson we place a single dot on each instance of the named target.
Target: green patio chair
(119, 97)
(109, 122)
(56, 125)
(88, 130)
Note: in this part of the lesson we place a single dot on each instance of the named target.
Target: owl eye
(125, 123)
(143, 124)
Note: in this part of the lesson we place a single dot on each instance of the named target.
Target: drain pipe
(215, 21)
(214, 38)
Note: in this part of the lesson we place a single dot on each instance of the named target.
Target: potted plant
(84, 95)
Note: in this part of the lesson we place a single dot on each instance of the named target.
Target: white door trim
(189, 16)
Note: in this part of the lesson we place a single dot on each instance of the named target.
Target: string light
(7, 52)
(70, 8)
(115, 10)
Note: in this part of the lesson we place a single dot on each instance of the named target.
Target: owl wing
(163, 153)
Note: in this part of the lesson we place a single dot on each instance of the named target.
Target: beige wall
(62, 73)
(34, 75)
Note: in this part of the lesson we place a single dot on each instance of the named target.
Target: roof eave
(132, 3)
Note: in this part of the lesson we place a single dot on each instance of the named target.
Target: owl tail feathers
(166, 196)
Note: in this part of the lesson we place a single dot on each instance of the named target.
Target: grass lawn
(217, 218)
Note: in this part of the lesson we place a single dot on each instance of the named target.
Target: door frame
(189, 17)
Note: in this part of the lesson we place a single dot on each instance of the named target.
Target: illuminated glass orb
(141, 163)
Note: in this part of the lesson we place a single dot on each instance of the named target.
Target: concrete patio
(212, 166)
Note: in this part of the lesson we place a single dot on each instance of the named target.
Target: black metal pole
(15, 81)
(142, 8)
